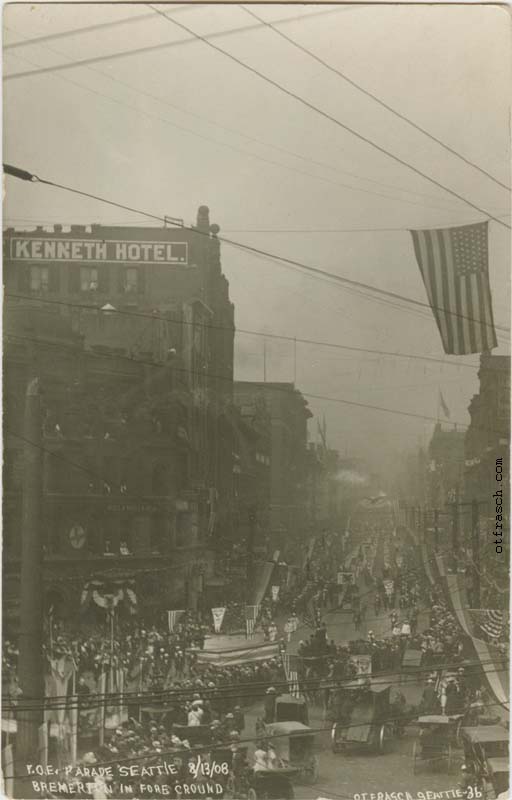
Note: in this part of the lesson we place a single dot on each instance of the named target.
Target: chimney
(203, 219)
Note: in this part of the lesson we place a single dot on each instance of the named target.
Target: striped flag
(251, 615)
(291, 671)
(455, 270)
(173, 618)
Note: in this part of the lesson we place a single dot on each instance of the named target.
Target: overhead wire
(326, 115)
(155, 47)
(374, 97)
(246, 331)
(285, 388)
(252, 138)
(100, 26)
(234, 148)
(28, 176)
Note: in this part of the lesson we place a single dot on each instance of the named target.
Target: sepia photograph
(256, 400)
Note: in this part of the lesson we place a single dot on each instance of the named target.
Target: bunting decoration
(493, 623)
(109, 595)
(173, 618)
(454, 266)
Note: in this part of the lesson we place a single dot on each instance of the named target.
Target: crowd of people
(161, 665)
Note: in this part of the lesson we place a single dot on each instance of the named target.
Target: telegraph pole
(475, 549)
(436, 528)
(455, 527)
(31, 607)
(251, 515)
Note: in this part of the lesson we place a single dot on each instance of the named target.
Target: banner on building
(218, 616)
(173, 618)
(275, 593)
(363, 665)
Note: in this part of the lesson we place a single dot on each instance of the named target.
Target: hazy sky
(181, 126)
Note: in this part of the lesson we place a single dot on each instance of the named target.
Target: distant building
(289, 414)
(445, 466)
(488, 435)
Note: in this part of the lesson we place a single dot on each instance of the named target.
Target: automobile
(271, 784)
(433, 749)
(294, 743)
(499, 774)
(194, 734)
(362, 716)
(486, 749)
(286, 708)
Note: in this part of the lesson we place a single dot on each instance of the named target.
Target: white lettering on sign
(27, 249)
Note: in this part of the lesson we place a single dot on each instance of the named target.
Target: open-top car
(433, 748)
(486, 752)
(294, 746)
(362, 716)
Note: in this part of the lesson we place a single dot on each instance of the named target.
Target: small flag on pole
(291, 671)
(173, 618)
(444, 407)
(251, 615)
(454, 266)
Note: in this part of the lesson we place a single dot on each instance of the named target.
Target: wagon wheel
(415, 758)
(251, 794)
(335, 746)
(385, 736)
(229, 791)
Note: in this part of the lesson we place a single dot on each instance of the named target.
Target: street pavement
(348, 775)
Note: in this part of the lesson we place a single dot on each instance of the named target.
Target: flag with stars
(454, 266)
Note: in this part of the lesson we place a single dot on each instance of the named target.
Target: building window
(131, 279)
(39, 279)
(88, 279)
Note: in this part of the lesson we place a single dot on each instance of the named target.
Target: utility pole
(455, 527)
(30, 710)
(425, 524)
(475, 548)
(436, 529)
(251, 515)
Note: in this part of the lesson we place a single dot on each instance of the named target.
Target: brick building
(132, 331)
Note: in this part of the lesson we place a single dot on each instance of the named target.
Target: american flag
(291, 671)
(455, 270)
(251, 615)
(173, 617)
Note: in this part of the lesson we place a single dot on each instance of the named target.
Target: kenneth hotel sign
(96, 250)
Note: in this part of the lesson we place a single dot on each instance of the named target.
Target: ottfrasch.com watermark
(498, 496)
